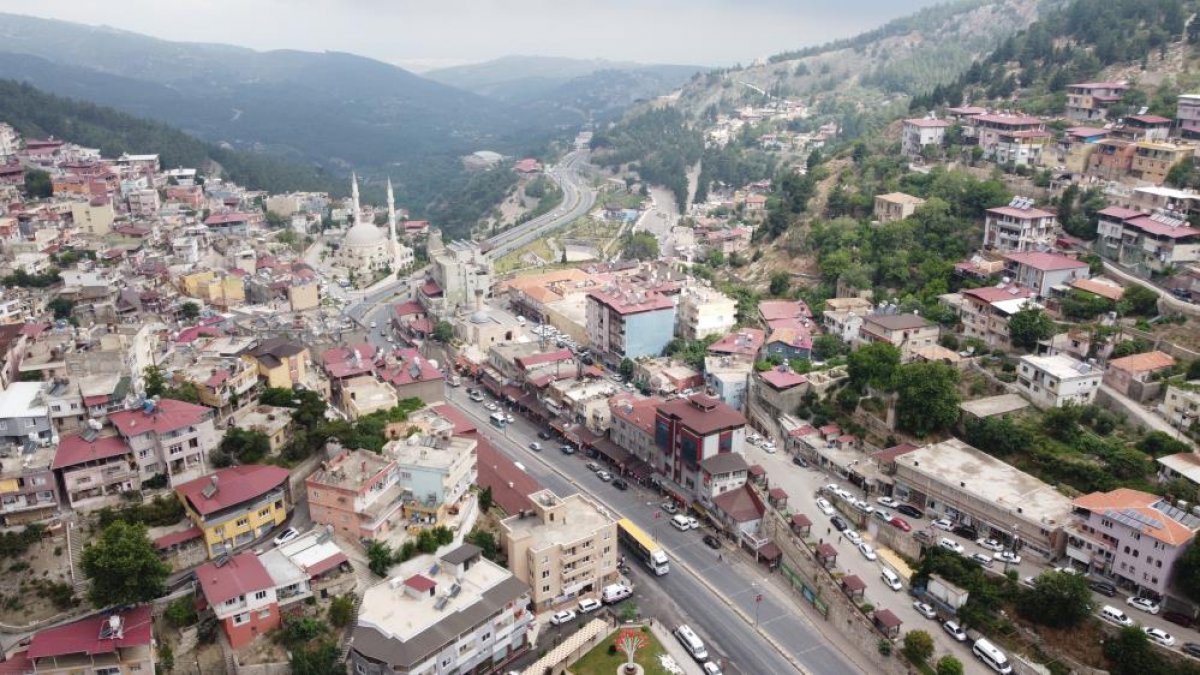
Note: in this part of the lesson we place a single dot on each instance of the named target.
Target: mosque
(367, 250)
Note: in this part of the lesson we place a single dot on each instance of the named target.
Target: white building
(366, 250)
(1054, 381)
(1018, 228)
(1187, 116)
(705, 311)
(918, 133)
(10, 143)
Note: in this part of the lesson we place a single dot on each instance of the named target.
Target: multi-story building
(105, 643)
(24, 415)
(1187, 115)
(458, 270)
(985, 312)
(689, 430)
(1181, 404)
(1016, 229)
(773, 394)
(909, 333)
(918, 133)
(281, 362)
(954, 480)
(705, 311)
(1146, 243)
(895, 206)
(996, 131)
(274, 422)
(1153, 128)
(629, 323)
(1043, 272)
(1055, 381)
(94, 217)
(242, 595)
(632, 426)
(223, 384)
(143, 203)
(169, 436)
(1088, 101)
(1153, 160)
(455, 613)
(10, 143)
(565, 550)
(843, 317)
(435, 474)
(28, 490)
(357, 493)
(95, 470)
(363, 395)
(1111, 158)
(236, 506)
(1130, 536)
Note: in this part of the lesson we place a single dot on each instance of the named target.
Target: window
(175, 449)
(545, 574)
(264, 513)
(546, 588)
(242, 522)
(260, 595)
(239, 619)
(264, 614)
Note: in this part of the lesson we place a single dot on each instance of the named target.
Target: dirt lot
(25, 580)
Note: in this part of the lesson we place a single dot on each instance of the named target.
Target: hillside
(38, 114)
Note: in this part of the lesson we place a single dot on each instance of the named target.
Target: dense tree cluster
(661, 145)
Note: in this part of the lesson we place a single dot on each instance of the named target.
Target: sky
(424, 34)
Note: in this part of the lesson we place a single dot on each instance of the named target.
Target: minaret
(391, 214)
(355, 209)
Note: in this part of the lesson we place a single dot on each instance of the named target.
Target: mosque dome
(480, 316)
(364, 234)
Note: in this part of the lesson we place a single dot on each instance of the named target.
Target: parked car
(286, 536)
(990, 544)
(966, 532)
(604, 476)
(982, 559)
(693, 523)
(864, 506)
(1145, 604)
(592, 466)
(867, 551)
(544, 435)
(711, 668)
(1160, 636)
(955, 631)
(799, 461)
(925, 610)
(568, 449)
(839, 523)
(670, 508)
(562, 617)
(900, 524)
(1104, 588)
(882, 515)
(951, 545)
(711, 541)
(943, 524)
(853, 537)
(1179, 618)
(910, 511)
(824, 506)
(588, 605)
(535, 446)
(1191, 649)
(769, 446)
(888, 502)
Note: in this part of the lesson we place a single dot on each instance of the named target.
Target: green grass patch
(600, 662)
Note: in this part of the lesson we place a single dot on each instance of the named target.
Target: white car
(833, 489)
(888, 502)
(562, 617)
(491, 407)
(670, 508)
(711, 668)
(693, 523)
(1007, 557)
(372, 324)
(824, 506)
(955, 631)
(589, 605)
(286, 536)
(604, 476)
(990, 544)
(845, 494)
(925, 610)
(769, 446)
(1160, 636)
(951, 545)
(853, 537)
(1145, 604)
(943, 524)
(867, 551)
(864, 506)
(882, 514)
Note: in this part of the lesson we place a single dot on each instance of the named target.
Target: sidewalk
(671, 645)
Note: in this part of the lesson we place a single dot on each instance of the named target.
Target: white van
(691, 642)
(681, 522)
(991, 656)
(891, 579)
(614, 593)
(1114, 615)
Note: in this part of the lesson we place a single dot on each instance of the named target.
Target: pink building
(169, 437)
(1016, 229)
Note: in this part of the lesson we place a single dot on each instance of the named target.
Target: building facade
(1055, 381)
(1011, 229)
(236, 506)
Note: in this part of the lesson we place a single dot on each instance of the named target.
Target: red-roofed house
(1148, 243)
(237, 505)
(106, 642)
(630, 322)
(510, 485)
(632, 426)
(986, 311)
(744, 343)
(741, 510)
(918, 133)
(169, 436)
(1143, 128)
(1016, 139)
(689, 430)
(413, 376)
(773, 394)
(229, 223)
(1134, 376)
(527, 166)
(95, 473)
(1012, 229)
(242, 595)
(1044, 271)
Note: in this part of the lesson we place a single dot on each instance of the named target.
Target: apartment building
(169, 436)
(435, 474)
(1089, 101)
(1153, 160)
(953, 480)
(236, 506)
(985, 312)
(1147, 243)
(742, 345)
(705, 311)
(775, 393)
(1187, 115)
(24, 415)
(895, 206)
(1152, 128)
(689, 430)
(565, 550)
(1018, 228)
(95, 470)
(242, 595)
(1044, 272)
(1129, 536)
(628, 323)
(1181, 404)
(274, 422)
(454, 613)
(357, 493)
(632, 426)
(28, 490)
(105, 643)
(843, 317)
(281, 362)
(918, 133)
(909, 333)
(1055, 381)
(992, 128)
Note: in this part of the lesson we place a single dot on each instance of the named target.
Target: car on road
(1191, 649)
(882, 515)
(925, 610)
(839, 523)
(544, 435)
(990, 544)
(951, 545)
(1007, 557)
(568, 449)
(693, 523)
(535, 446)
(910, 511)
(373, 325)
(824, 506)
(711, 668)
(593, 467)
(799, 461)
(1103, 588)
(955, 631)
(853, 537)
(982, 559)
(562, 617)
(867, 551)
(286, 536)
(900, 524)
(711, 541)
(769, 447)
(754, 439)
(888, 502)
(1160, 636)
(492, 407)
(1179, 618)
(864, 506)
(620, 484)
(588, 605)
(670, 508)
(604, 476)
(943, 524)
(1145, 604)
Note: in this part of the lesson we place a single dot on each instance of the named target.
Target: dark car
(620, 484)
(568, 449)
(910, 511)
(544, 435)
(711, 541)
(966, 532)
(1191, 649)
(839, 523)
(1179, 618)
(1103, 588)
(799, 461)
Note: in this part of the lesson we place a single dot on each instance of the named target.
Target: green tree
(874, 364)
(166, 658)
(625, 369)
(1029, 326)
(639, 246)
(341, 610)
(245, 445)
(182, 611)
(1187, 573)
(486, 501)
(123, 566)
(1160, 443)
(443, 332)
(1057, 600)
(1137, 300)
(827, 346)
(38, 184)
(189, 310)
(317, 658)
(485, 540)
(781, 283)
(153, 380)
(379, 557)
(927, 397)
(948, 665)
(1130, 653)
(61, 307)
(918, 646)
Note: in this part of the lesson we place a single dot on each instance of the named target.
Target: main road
(721, 599)
(578, 198)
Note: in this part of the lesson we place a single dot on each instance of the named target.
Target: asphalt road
(723, 608)
(578, 198)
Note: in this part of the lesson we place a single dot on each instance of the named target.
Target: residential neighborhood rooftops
(1046, 262)
(897, 321)
(702, 414)
(1060, 366)
(75, 449)
(86, 636)
(782, 377)
(1020, 214)
(164, 416)
(1105, 289)
(743, 342)
(632, 301)
(233, 485)
(927, 122)
(1145, 362)
(241, 575)
(1148, 513)
(724, 462)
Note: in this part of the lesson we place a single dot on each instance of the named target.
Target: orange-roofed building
(1133, 375)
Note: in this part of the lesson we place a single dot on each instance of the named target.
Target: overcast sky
(419, 34)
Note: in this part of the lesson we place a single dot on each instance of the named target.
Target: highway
(717, 598)
(578, 198)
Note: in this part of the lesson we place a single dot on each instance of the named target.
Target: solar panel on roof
(434, 570)
(88, 435)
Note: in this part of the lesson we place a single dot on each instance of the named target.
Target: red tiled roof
(544, 357)
(702, 414)
(242, 575)
(802, 431)
(89, 401)
(74, 450)
(1145, 362)
(83, 636)
(225, 218)
(927, 123)
(783, 378)
(1021, 214)
(1011, 120)
(1151, 226)
(217, 379)
(990, 294)
(801, 520)
(830, 430)
(632, 301)
(1086, 132)
(431, 289)
(778, 493)
(168, 415)
(639, 412)
(462, 424)
(193, 333)
(790, 333)
(340, 362)
(510, 486)
(168, 540)
(235, 485)
(746, 341)
(1148, 119)
(741, 505)
(887, 618)
(772, 310)
(318, 568)
(852, 583)
(1046, 262)
(420, 583)
(1120, 212)
(408, 308)
(889, 455)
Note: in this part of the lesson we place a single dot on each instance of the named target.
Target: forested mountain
(659, 144)
(38, 114)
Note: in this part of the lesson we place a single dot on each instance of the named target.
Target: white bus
(641, 544)
(692, 642)
(991, 656)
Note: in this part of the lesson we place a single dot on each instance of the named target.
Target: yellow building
(1152, 161)
(94, 218)
(304, 296)
(237, 506)
(219, 290)
(282, 363)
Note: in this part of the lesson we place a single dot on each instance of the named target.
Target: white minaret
(391, 214)
(355, 209)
